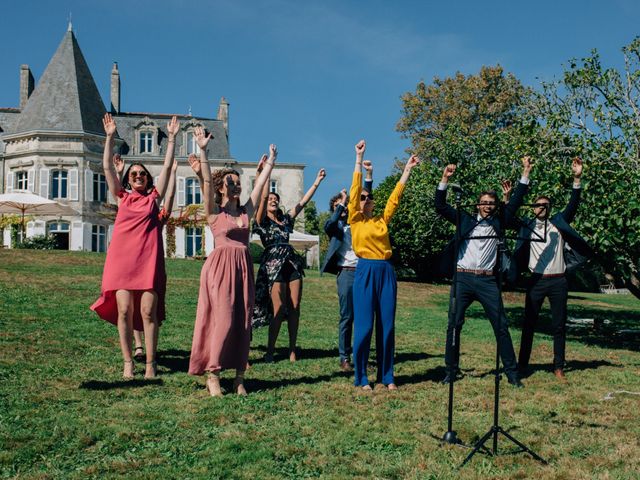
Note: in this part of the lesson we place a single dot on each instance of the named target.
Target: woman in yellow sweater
(374, 286)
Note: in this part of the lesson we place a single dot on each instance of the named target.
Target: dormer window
(146, 142)
(192, 145)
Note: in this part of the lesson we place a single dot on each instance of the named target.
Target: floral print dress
(277, 252)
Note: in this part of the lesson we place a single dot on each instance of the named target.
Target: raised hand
(361, 146)
(261, 162)
(173, 126)
(194, 162)
(118, 163)
(576, 167)
(202, 139)
(506, 186)
(320, 176)
(273, 152)
(109, 125)
(412, 162)
(343, 196)
(448, 172)
(527, 163)
(368, 166)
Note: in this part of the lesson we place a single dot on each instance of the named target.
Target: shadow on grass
(621, 331)
(570, 366)
(434, 375)
(103, 385)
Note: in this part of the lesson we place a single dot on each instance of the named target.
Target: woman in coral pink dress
(222, 331)
(134, 279)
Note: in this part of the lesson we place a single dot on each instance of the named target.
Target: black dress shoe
(515, 381)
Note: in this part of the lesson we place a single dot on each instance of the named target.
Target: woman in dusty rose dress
(222, 332)
(134, 279)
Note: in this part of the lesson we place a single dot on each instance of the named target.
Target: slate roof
(66, 97)
(127, 123)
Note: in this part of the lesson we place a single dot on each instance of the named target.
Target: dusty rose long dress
(222, 331)
(135, 258)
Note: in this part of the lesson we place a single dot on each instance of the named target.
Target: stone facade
(52, 146)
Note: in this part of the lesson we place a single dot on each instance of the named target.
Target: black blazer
(561, 221)
(334, 229)
(468, 222)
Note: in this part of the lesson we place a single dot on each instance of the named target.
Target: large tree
(595, 111)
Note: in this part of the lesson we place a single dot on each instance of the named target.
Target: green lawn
(66, 413)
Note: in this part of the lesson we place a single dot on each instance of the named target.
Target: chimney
(26, 85)
(223, 114)
(115, 89)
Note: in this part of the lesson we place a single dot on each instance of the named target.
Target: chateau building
(52, 145)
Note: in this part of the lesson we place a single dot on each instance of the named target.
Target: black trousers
(484, 289)
(555, 289)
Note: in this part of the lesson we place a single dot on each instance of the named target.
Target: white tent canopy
(299, 240)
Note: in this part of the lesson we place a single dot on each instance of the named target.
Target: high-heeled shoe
(154, 370)
(213, 386)
(138, 354)
(238, 385)
(129, 370)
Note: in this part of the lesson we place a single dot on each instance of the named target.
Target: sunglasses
(364, 197)
(141, 174)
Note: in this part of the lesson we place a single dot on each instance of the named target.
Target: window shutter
(73, 184)
(44, 182)
(31, 180)
(180, 192)
(88, 185)
(9, 188)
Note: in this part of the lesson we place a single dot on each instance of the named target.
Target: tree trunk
(633, 284)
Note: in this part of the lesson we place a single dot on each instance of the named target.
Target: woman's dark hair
(337, 196)
(279, 212)
(125, 180)
(217, 180)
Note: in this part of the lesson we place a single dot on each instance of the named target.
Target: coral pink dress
(135, 258)
(222, 332)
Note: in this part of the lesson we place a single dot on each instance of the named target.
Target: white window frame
(146, 147)
(273, 186)
(21, 180)
(191, 146)
(99, 194)
(98, 238)
(62, 181)
(191, 235)
(193, 194)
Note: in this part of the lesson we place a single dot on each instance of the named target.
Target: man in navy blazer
(341, 260)
(475, 263)
(548, 260)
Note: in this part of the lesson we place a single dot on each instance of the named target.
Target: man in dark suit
(475, 264)
(548, 262)
(341, 260)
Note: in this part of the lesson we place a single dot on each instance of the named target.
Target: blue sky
(313, 77)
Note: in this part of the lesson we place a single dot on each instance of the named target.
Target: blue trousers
(374, 292)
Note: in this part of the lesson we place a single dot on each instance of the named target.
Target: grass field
(65, 412)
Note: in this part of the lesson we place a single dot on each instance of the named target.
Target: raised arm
(173, 126)
(518, 195)
(442, 207)
(331, 226)
(570, 211)
(506, 187)
(394, 198)
(264, 195)
(202, 139)
(261, 182)
(171, 188)
(293, 213)
(368, 178)
(113, 182)
(356, 183)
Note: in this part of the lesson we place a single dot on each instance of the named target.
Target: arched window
(60, 231)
